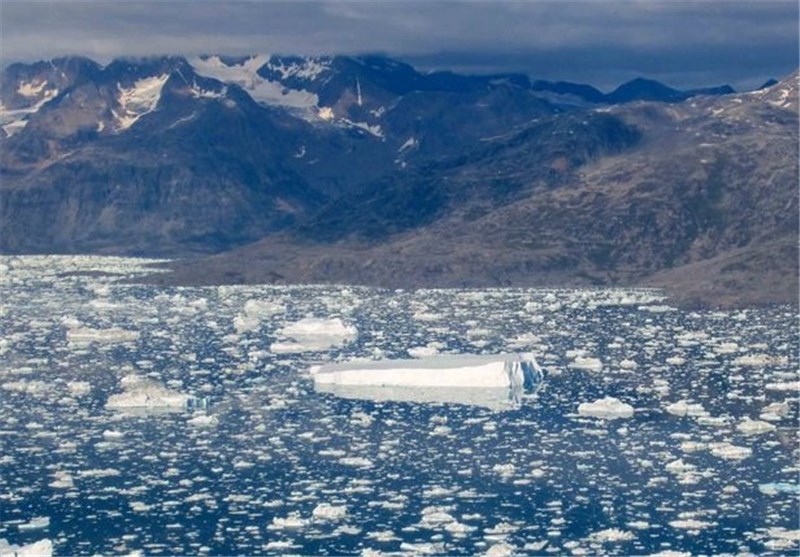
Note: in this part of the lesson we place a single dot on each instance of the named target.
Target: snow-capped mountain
(178, 156)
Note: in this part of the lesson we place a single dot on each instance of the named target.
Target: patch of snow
(13, 121)
(261, 90)
(310, 68)
(199, 93)
(374, 130)
(410, 143)
(140, 99)
(29, 89)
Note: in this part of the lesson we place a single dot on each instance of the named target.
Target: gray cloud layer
(685, 43)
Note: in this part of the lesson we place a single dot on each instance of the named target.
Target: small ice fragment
(87, 335)
(313, 334)
(754, 427)
(326, 511)
(606, 408)
(729, 451)
(683, 408)
(37, 523)
(690, 524)
(586, 363)
(203, 420)
(612, 535)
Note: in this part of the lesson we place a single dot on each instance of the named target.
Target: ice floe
(313, 334)
(140, 392)
(42, 548)
(607, 408)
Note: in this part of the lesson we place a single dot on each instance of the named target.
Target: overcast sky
(684, 43)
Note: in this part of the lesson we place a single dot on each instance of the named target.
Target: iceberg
(142, 395)
(86, 335)
(491, 381)
(42, 548)
(312, 335)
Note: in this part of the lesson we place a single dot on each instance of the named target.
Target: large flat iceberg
(495, 382)
(504, 370)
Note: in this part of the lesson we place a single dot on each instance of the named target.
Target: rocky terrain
(362, 170)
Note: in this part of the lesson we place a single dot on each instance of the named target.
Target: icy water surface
(705, 464)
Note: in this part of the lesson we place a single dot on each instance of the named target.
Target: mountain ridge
(307, 164)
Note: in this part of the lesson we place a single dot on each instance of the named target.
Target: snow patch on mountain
(245, 75)
(138, 100)
(13, 121)
(199, 93)
(28, 89)
(310, 68)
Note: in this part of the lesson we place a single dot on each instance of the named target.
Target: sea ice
(86, 335)
(612, 535)
(144, 393)
(683, 408)
(729, 452)
(313, 334)
(607, 408)
(754, 427)
(37, 523)
(326, 511)
(42, 548)
(501, 371)
(586, 363)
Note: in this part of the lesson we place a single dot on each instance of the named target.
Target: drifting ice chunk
(86, 335)
(589, 364)
(38, 523)
(42, 548)
(495, 382)
(607, 408)
(505, 370)
(326, 511)
(142, 393)
(312, 334)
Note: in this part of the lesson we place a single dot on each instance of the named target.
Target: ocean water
(262, 463)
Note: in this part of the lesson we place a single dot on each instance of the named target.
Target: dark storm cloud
(685, 43)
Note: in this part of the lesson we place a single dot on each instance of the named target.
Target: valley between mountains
(361, 170)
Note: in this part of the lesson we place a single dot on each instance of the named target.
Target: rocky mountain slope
(363, 170)
(699, 197)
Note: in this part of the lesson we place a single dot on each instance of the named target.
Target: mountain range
(363, 170)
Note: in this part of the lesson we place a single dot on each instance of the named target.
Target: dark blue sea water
(532, 478)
